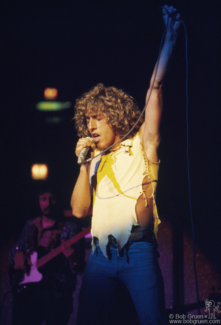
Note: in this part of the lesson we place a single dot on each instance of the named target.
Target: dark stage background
(72, 46)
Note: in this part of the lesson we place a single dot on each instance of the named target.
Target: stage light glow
(52, 106)
(50, 93)
(39, 171)
(54, 120)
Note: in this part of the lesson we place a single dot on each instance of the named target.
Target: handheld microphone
(83, 153)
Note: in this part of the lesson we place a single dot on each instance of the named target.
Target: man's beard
(49, 213)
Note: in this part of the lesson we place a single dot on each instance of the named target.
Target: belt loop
(95, 241)
(127, 249)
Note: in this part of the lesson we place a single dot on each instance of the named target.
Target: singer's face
(101, 131)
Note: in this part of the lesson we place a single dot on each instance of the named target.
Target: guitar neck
(58, 250)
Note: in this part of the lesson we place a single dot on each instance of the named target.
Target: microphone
(83, 153)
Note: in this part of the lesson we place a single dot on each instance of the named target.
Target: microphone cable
(188, 171)
(141, 114)
(187, 143)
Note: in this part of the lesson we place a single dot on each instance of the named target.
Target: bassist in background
(49, 299)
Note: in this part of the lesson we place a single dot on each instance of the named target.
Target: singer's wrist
(84, 168)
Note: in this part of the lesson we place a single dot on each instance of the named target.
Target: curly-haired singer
(123, 183)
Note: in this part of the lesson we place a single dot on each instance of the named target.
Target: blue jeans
(136, 265)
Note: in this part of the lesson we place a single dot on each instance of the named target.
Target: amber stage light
(39, 171)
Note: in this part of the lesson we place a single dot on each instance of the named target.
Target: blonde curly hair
(118, 108)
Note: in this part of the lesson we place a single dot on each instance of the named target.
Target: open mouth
(96, 137)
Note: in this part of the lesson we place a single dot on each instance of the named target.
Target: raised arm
(149, 132)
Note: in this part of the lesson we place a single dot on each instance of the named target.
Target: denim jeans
(136, 266)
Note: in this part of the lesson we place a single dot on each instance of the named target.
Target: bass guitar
(34, 275)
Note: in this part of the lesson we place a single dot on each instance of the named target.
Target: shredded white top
(116, 179)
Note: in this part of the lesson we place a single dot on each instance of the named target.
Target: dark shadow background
(73, 45)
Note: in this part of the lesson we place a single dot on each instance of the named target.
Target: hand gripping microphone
(83, 154)
(166, 11)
